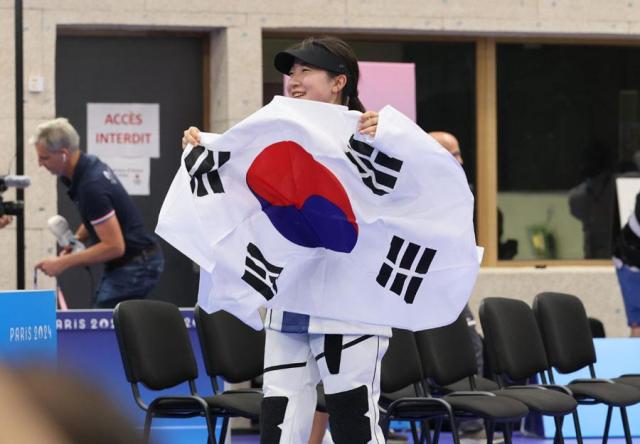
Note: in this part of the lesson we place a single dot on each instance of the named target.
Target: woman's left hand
(368, 123)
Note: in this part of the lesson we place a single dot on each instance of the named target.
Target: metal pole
(19, 142)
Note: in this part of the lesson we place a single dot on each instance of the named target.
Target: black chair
(156, 352)
(632, 379)
(597, 328)
(235, 352)
(517, 354)
(479, 383)
(567, 339)
(447, 356)
(476, 382)
(403, 396)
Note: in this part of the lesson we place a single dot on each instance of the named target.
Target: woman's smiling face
(311, 83)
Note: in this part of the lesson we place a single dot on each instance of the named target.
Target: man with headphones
(111, 222)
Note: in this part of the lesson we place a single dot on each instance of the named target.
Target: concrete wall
(236, 28)
(597, 286)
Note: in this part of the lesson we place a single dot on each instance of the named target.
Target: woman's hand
(191, 136)
(368, 123)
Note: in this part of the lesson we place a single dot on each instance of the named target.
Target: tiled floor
(446, 439)
(199, 436)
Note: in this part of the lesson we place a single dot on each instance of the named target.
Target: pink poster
(383, 83)
(394, 84)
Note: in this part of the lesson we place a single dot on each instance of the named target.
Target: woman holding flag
(302, 350)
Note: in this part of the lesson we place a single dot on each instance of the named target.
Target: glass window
(568, 123)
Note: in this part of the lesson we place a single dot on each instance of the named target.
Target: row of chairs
(417, 373)
(156, 352)
(427, 377)
(563, 336)
(523, 343)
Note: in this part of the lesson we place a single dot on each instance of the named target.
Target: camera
(12, 208)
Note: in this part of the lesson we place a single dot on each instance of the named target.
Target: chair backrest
(446, 353)
(401, 363)
(597, 328)
(565, 331)
(230, 348)
(154, 344)
(511, 333)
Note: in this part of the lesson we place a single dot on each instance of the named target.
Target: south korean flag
(298, 213)
(259, 273)
(378, 171)
(405, 268)
(203, 166)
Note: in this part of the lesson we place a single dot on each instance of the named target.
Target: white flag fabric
(289, 210)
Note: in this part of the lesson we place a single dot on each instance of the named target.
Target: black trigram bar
(377, 170)
(206, 170)
(259, 273)
(404, 269)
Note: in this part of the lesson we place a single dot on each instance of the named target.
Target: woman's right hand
(191, 136)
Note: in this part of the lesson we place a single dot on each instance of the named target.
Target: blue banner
(28, 326)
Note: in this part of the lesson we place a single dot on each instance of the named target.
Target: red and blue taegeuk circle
(304, 200)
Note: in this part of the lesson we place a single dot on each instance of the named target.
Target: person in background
(626, 258)
(450, 143)
(470, 430)
(132, 259)
(592, 201)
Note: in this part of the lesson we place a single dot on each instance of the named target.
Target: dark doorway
(144, 68)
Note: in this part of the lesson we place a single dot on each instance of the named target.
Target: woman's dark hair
(341, 49)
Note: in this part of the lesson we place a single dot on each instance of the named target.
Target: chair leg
(425, 431)
(605, 436)
(507, 432)
(454, 426)
(426, 436)
(558, 438)
(625, 425)
(211, 427)
(147, 425)
(414, 432)
(576, 424)
(489, 427)
(223, 431)
(385, 423)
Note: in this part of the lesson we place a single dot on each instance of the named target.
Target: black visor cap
(314, 55)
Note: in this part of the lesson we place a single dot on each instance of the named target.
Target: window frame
(487, 168)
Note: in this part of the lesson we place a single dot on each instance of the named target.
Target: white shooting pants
(348, 366)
